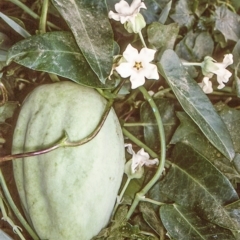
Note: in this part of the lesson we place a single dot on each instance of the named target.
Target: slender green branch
(119, 198)
(5, 217)
(31, 13)
(191, 64)
(64, 141)
(4, 94)
(153, 201)
(139, 143)
(14, 207)
(142, 39)
(139, 196)
(138, 124)
(43, 18)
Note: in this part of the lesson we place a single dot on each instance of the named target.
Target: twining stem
(142, 39)
(140, 195)
(31, 13)
(4, 94)
(138, 124)
(191, 64)
(43, 18)
(5, 217)
(64, 141)
(14, 207)
(139, 143)
(119, 198)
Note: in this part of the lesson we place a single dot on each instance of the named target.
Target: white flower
(138, 66)
(140, 159)
(206, 85)
(210, 67)
(125, 12)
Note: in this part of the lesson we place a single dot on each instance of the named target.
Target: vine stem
(14, 207)
(140, 196)
(31, 13)
(119, 198)
(4, 94)
(142, 39)
(64, 141)
(43, 18)
(139, 143)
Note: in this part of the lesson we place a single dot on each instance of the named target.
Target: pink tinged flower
(125, 12)
(140, 159)
(138, 66)
(206, 85)
(210, 67)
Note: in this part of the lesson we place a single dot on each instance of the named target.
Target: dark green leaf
(193, 182)
(162, 36)
(88, 20)
(195, 103)
(183, 14)
(227, 23)
(152, 218)
(190, 134)
(184, 224)
(165, 12)
(167, 112)
(231, 118)
(195, 46)
(55, 52)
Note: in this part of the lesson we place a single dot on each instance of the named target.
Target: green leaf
(183, 14)
(227, 23)
(55, 52)
(14, 25)
(181, 223)
(88, 21)
(231, 118)
(151, 217)
(193, 182)
(195, 46)
(188, 133)
(195, 103)
(162, 36)
(167, 112)
(165, 12)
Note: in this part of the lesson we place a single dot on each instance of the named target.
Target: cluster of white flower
(137, 65)
(211, 67)
(134, 64)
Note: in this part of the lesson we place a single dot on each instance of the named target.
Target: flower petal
(136, 5)
(123, 8)
(228, 60)
(147, 54)
(150, 71)
(223, 76)
(206, 85)
(113, 15)
(131, 54)
(129, 148)
(124, 69)
(150, 162)
(137, 79)
(142, 153)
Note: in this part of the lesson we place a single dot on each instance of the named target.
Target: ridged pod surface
(68, 193)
